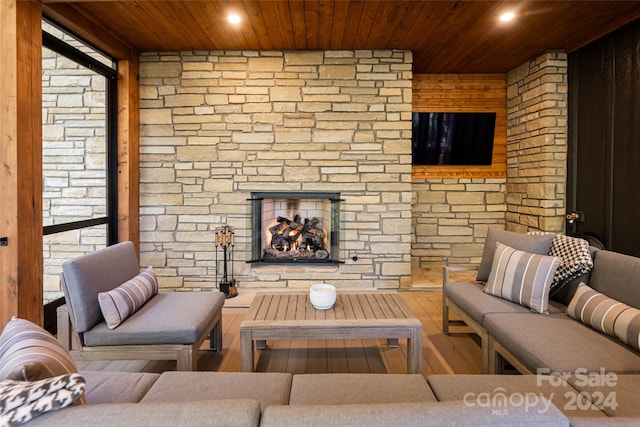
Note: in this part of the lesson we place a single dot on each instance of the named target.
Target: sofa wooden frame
(466, 320)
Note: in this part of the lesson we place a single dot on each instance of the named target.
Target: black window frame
(60, 47)
(111, 75)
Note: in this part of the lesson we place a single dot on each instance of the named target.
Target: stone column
(537, 144)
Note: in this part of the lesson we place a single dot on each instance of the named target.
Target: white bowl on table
(322, 296)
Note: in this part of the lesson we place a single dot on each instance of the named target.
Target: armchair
(169, 326)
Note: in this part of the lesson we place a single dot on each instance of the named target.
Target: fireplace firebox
(295, 227)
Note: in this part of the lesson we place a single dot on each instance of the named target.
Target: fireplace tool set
(225, 240)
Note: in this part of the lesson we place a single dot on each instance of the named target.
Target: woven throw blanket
(20, 401)
(575, 256)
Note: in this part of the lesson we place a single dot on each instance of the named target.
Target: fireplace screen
(295, 227)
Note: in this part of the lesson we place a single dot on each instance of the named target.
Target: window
(78, 152)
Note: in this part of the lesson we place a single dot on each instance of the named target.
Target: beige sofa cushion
(413, 414)
(341, 389)
(229, 413)
(268, 388)
(491, 387)
(615, 394)
(117, 387)
(559, 343)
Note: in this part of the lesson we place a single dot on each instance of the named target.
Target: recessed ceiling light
(507, 16)
(234, 18)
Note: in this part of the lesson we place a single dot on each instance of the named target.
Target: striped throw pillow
(522, 277)
(121, 302)
(29, 353)
(605, 314)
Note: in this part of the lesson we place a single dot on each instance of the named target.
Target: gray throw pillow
(524, 242)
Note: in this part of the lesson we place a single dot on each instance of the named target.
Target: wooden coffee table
(289, 315)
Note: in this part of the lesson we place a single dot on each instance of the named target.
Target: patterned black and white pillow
(21, 401)
(575, 256)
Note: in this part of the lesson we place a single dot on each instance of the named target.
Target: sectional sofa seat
(29, 355)
(40, 386)
(277, 399)
(535, 343)
(281, 399)
(552, 342)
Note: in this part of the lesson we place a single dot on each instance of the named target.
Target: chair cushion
(119, 303)
(607, 315)
(21, 401)
(29, 353)
(167, 318)
(520, 241)
(559, 343)
(84, 277)
(343, 389)
(522, 277)
(476, 303)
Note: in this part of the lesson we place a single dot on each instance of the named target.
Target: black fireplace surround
(295, 227)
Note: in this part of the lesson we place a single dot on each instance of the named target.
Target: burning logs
(296, 239)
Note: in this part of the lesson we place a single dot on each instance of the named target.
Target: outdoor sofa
(597, 333)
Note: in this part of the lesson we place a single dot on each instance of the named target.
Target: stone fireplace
(304, 129)
(295, 227)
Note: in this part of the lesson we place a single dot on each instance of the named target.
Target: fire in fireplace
(295, 227)
(297, 239)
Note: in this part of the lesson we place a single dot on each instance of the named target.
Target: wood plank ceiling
(445, 36)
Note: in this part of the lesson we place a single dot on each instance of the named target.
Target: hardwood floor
(456, 353)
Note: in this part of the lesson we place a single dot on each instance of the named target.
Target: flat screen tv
(453, 138)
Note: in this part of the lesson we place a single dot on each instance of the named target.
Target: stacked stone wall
(537, 144)
(216, 126)
(73, 162)
(451, 218)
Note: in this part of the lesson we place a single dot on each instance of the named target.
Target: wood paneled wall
(464, 93)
